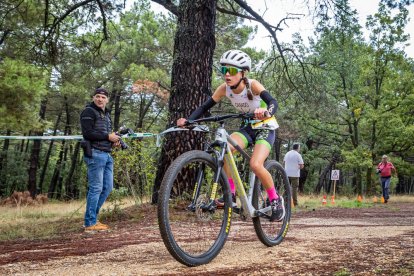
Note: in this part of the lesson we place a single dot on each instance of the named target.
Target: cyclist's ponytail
(249, 90)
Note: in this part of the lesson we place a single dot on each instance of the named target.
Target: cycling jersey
(242, 103)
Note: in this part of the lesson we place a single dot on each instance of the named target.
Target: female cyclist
(247, 95)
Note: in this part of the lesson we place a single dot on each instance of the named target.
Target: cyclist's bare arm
(220, 93)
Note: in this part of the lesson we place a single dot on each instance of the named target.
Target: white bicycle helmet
(236, 58)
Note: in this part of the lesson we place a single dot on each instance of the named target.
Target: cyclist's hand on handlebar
(261, 113)
(181, 122)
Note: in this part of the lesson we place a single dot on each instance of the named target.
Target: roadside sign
(335, 175)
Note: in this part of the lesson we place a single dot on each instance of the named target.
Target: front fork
(210, 206)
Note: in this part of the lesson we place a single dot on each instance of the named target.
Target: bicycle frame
(246, 200)
(224, 140)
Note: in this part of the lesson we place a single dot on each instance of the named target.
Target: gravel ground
(328, 241)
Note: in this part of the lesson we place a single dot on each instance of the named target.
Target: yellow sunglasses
(232, 70)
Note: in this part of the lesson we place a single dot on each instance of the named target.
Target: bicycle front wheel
(272, 233)
(193, 229)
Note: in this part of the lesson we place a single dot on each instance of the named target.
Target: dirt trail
(364, 241)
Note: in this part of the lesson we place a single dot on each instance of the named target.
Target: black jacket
(96, 126)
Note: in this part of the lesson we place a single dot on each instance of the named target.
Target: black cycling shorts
(257, 136)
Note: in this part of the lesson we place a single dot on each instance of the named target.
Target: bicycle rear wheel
(271, 233)
(193, 234)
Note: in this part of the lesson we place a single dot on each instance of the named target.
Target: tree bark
(49, 151)
(56, 174)
(34, 157)
(117, 105)
(191, 77)
(70, 188)
(3, 160)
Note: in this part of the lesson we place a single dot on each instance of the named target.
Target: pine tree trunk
(49, 151)
(116, 100)
(56, 174)
(70, 188)
(34, 157)
(191, 77)
(3, 160)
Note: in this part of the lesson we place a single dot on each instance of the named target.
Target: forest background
(346, 94)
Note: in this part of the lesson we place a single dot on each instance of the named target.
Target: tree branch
(170, 6)
(101, 8)
(272, 32)
(62, 17)
(223, 10)
(3, 37)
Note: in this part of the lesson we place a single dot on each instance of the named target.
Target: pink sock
(272, 194)
(232, 187)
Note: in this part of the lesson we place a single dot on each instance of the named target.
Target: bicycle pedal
(191, 207)
(262, 215)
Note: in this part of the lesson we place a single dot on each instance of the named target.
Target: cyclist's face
(229, 76)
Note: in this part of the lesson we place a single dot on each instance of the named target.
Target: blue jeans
(385, 184)
(100, 183)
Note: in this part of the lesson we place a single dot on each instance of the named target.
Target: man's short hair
(384, 156)
(295, 146)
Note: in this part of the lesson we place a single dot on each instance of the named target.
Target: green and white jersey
(242, 103)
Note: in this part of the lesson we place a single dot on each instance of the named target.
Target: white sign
(335, 175)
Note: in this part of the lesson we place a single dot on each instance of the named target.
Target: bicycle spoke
(272, 232)
(193, 233)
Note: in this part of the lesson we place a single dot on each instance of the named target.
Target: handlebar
(192, 124)
(220, 118)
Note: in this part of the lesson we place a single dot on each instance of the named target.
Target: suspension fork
(200, 175)
(211, 205)
(197, 187)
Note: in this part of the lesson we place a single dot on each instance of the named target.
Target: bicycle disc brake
(200, 208)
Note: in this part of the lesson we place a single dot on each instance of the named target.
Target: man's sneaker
(102, 224)
(220, 202)
(97, 227)
(278, 209)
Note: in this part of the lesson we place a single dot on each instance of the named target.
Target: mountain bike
(193, 228)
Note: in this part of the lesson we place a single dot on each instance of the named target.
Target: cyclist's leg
(260, 154)
(264, 141)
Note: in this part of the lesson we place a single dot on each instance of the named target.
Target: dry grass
(315, 201)
(46, 220)
(54, 218)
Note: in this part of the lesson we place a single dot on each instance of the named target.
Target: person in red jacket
(385, 170)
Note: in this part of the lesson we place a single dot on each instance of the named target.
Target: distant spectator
(293, 164)
(385, 169)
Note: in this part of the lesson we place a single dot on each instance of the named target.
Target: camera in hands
(123, 131)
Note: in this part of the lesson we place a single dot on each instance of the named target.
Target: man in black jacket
(98, 141)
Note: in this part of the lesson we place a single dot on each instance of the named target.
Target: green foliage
(135, 168)
(22, 87)
(114, 211)
(356, 158)
(342, 272)
(12, 176)
(350, 96)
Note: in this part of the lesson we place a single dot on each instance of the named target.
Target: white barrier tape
(71, 137)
